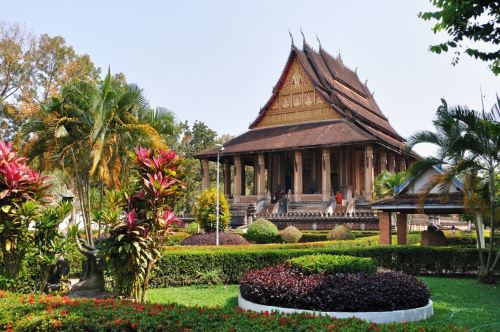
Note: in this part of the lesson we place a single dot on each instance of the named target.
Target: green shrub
(192, 228)
(322, 263)
(340, 232)
(180, 266)
(291, 234)
(206, 211)
(262, 231)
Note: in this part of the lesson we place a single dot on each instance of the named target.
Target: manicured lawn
(463, 302)
(202, 295)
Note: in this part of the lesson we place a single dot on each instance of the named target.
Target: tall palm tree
(469, 146)
(88, 130)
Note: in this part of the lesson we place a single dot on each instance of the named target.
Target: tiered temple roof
(317, 102)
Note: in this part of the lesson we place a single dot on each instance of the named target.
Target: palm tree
(469, 147)
(386, 183)
(88, 131)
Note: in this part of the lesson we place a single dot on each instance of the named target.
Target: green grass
(463, 302)
(199, 295)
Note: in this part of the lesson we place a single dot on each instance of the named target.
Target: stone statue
(91, 282)
(55, 280)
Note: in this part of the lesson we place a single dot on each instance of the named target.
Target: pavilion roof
(432, 204)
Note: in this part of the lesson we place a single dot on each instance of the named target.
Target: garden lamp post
(220, 149)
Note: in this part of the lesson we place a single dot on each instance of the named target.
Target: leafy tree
(469, 144)
(206, 211)
(89, 130)
(474, 20)
(31, 70)
(386, 183)
(193, 139)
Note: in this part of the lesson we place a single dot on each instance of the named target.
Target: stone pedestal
(433, 238)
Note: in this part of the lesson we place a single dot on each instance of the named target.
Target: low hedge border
(185, 267)
(46, 313)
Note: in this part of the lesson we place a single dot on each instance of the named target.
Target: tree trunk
(146, 280)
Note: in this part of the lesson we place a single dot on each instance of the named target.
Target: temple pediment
(296, 101)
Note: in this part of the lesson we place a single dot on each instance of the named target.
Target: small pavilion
(321, 131)
(410, 200)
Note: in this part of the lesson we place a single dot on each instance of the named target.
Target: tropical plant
(192, 228)
(386, 183)
(206, 211)
(47, 243)
(134, 246)
(88, 130)
(469, 147)
(22, 189)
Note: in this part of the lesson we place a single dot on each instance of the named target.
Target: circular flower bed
(288, 287)
(209, 239)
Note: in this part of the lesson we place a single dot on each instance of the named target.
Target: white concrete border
(398, 316)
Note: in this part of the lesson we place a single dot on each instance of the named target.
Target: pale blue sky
(217, 61)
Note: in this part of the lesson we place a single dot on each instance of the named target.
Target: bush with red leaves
(284, 286)
(209, 239)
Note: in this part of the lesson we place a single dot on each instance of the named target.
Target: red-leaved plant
(19, 183)
(149, 220)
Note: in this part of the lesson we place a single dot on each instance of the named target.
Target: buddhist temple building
(320, 132)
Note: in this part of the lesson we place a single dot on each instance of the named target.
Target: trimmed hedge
(180, 267)
(291, 235)
(262, 231)
(322, 263)
(52, 313)
(314, 236)
(340, 232)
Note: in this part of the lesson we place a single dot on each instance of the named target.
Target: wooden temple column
(402, 229)
(237, 178)
(204, 174)
(392, 163)
(261, 176)
(402, 164)
(383, 161)
(384, 226)
(297, 176)
(227, 178)
(368, 164)
(326, 185)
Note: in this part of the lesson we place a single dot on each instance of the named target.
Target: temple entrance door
(288, 183)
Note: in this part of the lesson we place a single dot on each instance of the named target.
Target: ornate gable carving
(297, 102)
